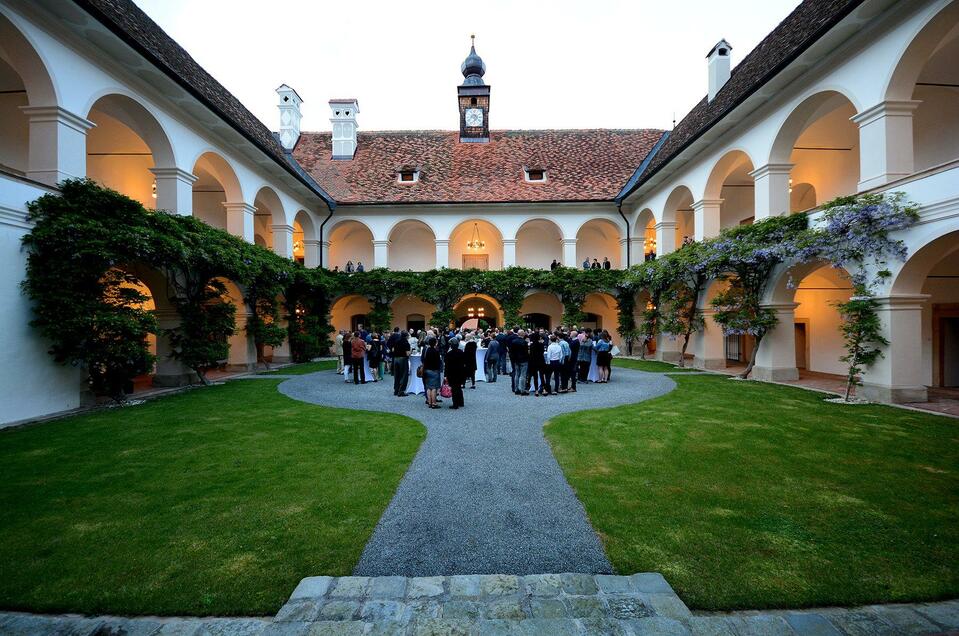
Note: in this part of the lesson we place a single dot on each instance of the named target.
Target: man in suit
(338, 352)
(573, 362)
(519, 355)
(455, 372)
(401, 364)
(502, 338)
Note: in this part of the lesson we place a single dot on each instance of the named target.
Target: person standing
(606, 264)
(455, 370)
(554, 265)
(357, 353)
(572, 370)
(349, 267)
(359, 267)
(491, 365)
(586, 263)
(603, 357)
(502, 338)
(538, 369)
(432, 370)
(401, 364)
(519, 355)
(347, 355)
(375, 356)
(338, 351)
(585, 355)
(554, 356)
(596, 264)
(470, 352)
(564, 363)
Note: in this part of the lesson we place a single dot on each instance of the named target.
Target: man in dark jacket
(401, 364)
(519, 356)
(492, 360)
(502, 338)
(455, 372)
(573, 362)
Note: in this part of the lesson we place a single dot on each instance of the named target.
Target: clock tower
(473, 97)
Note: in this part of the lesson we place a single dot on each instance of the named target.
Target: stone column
(240, 220)
(242, 348)
(58, 144)
(706, 218)
(442, 253)
(325, 254)
(569, 252)
(665, 238)
(624, 255)
(710, 345)
(311, 253)
(637, 251)
(885, 142)
(281, 354)
(776, 357)
(381, 253)
(772, 190)
(509, 253)
(174, 190)
(283, 239)
(897, 377)
(169, 372)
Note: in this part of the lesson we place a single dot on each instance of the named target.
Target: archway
(305, 246)
(348, 312)
(412, 246)
(679, 211)
(350, 241)
(605, 309)
(269, 213)
(216, 184)
(124, 148)
(731, 183)
(483, 308)
(645, 230)
(599, 239)
(476, 243)
(14, 125)
(410, 312)
(542, 309)
(822, 143)
(538, 243)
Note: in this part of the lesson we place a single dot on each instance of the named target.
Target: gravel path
(484, 494)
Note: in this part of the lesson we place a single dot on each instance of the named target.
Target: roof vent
(289, 116)
(718, 67)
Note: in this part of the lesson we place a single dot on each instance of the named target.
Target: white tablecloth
(348, 370)
(480, 364)
(415, 385)
(593, 375)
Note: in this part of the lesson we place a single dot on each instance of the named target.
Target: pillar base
(667, 355)
(709, 364)
(174, 379)
(775, 374)
(893, 394)
(239, 368)
(275, 359)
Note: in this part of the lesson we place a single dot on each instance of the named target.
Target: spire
(473, 67)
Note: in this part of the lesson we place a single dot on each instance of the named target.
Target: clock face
(474, 117)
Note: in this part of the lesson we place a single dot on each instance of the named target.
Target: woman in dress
(470, 351)
(375, 356)
(603, 356)
(432, 373)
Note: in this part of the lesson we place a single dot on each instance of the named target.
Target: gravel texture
(484, 494)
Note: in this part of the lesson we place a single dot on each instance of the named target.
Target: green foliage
(862, 335)
(307, 302)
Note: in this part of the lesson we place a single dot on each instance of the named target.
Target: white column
(772, 190)
(240, 219)
(776, 357)
(442, 253)
(169, 372)
(706, 218)
(709, 348)
(668, 348)
(897, 376)
(381, 253)
(325, 254)
(311, 253)
(242, 347)
(885, 142)
(509, 253)
(569, 252)
(623, 253)
(58, 144)
(665, 238)
(283, 239)
(637, 251)
(174, 190)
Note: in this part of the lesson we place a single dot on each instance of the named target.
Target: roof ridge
(493, 130)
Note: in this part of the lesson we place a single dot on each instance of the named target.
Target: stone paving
(547, 604)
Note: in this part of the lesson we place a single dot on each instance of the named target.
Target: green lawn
(304, 368)
(751, 495)
(652, 366)
(215, 501)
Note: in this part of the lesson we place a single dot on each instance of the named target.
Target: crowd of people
(539, 362)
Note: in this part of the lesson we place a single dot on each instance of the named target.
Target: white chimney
(718, 60)
(289, 116)
(343, 117)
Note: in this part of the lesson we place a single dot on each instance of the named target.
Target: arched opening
(349, 312)
(123, 148)
(819, 344)
(304, 230)
(479, 307)
(598, 240)
(538, 243)
(476, 244)
(822, 143)
(802, 197)
(242, 355)
(412, 246)
(350, 242)
(678, 210)
(216, 184)
(731, 183)
(269, 212)
(605, 313)
(645, 231)
(410, 312)
(542, 310)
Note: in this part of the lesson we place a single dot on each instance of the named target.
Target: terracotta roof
(127, 21)
(801, 29)
(581, 165)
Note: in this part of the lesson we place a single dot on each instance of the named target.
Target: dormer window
(408, 175)
(535, 175)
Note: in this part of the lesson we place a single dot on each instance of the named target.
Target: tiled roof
(581, 165)
(800, 30)
(126, 20)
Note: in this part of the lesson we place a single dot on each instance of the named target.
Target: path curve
(484, 494)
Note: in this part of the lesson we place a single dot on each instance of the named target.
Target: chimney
(289, 116)
(343, 117)
(718, 60)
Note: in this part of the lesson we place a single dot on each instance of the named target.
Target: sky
(552, 64)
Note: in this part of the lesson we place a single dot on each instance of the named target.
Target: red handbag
(445, 390)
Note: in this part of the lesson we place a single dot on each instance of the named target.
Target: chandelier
(475, 243)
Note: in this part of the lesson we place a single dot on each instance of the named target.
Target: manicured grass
(651, 366)
(304, 368)
(216, 501)
(750, 495)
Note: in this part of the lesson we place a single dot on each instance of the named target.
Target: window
(535, 174)
(408, 175)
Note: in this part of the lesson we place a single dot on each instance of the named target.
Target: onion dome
(473, 67)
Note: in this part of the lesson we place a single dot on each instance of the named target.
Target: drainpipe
(328, 217)
(629, 242)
